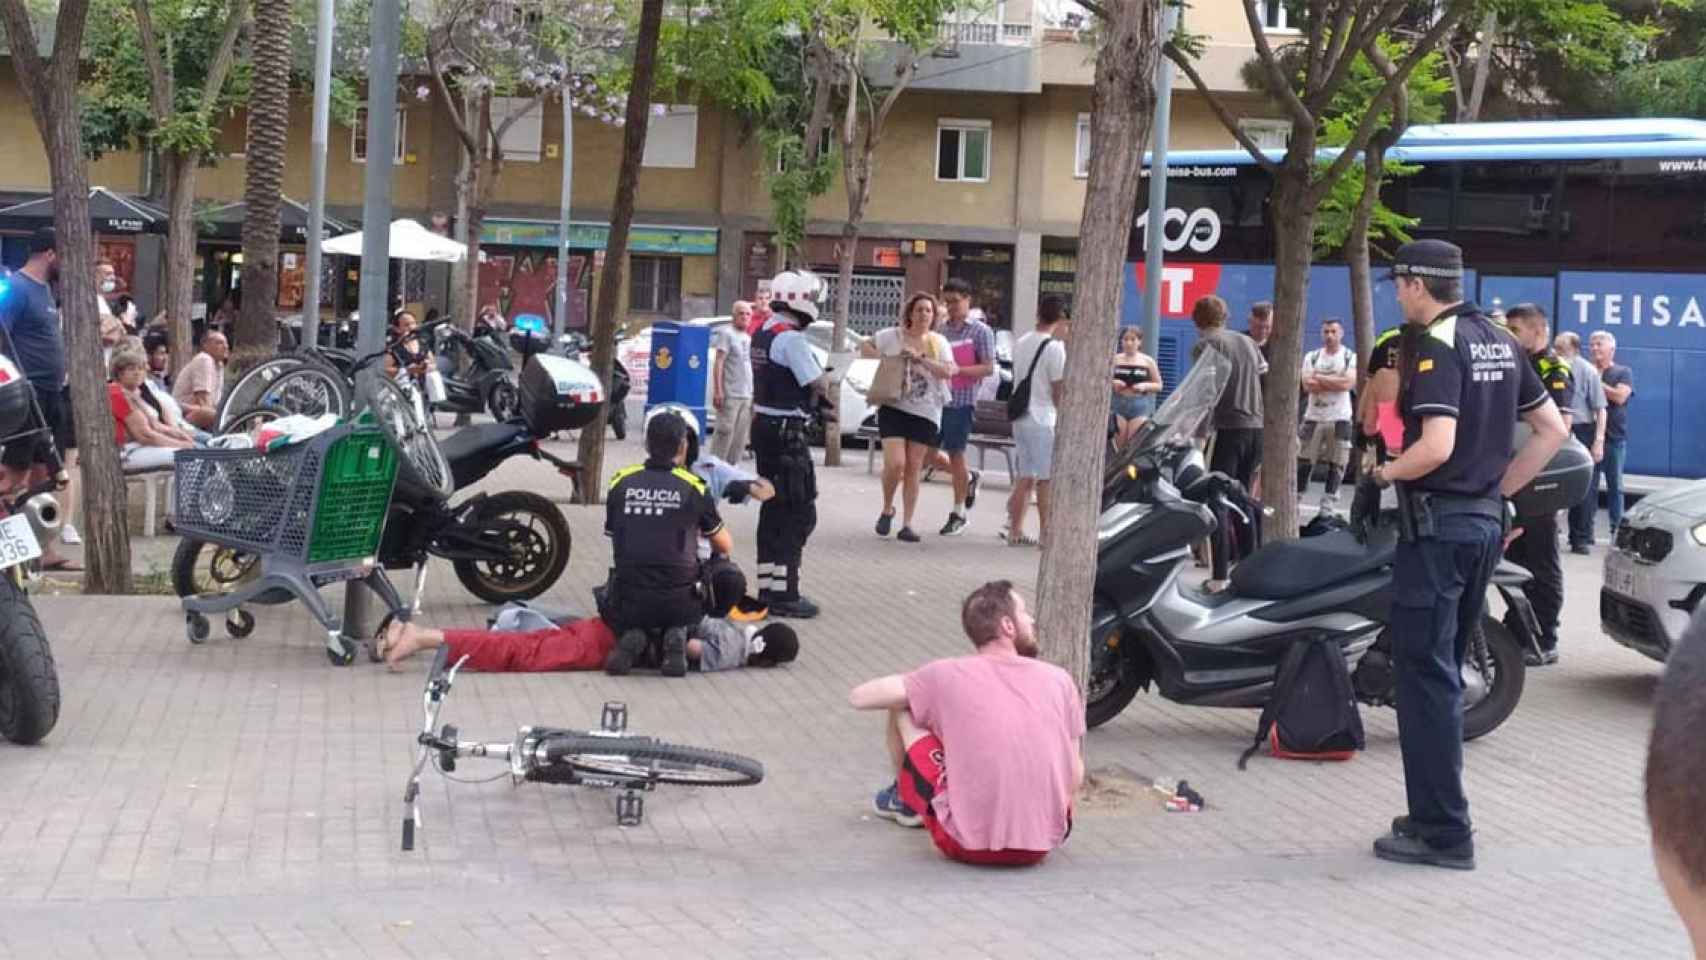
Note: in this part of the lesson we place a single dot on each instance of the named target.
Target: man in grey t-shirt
(731, 385)
(1587, 422)
(1238, 415)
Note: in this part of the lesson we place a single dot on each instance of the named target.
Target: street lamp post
(1156, 235)
(324, 18)
(563, 221)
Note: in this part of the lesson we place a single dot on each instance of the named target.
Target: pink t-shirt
(1009, 727)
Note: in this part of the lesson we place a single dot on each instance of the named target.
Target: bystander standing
(731, 384)
(1328, 376)
(1618, 384)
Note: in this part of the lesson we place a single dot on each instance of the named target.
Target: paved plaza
(243, 799)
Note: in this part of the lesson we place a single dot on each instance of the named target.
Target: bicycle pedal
(630, 809)
(615, 717)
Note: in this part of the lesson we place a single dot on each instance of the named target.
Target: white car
(635, 352)
(1655, 575)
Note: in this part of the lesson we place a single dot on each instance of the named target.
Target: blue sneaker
(890, 806)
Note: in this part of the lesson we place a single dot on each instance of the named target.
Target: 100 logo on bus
(1199, 230)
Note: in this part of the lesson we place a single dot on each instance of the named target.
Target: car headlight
(1699, 534)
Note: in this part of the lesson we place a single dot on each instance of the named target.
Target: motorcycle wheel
(538, 539)
(1115, 680)
(1504, 662)
(502, 401)
(29, 684)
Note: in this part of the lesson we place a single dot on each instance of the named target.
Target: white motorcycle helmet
(680, 410)
(797, 291)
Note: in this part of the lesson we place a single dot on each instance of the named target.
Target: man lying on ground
(714, 644)
(1001, 726)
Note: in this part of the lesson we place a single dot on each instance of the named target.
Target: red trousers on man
(581, 645)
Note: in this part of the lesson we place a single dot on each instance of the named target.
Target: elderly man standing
(201, 383)
(731, 384)
(1618, 384)
(1587, 422)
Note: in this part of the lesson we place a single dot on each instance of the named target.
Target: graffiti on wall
(525, 281)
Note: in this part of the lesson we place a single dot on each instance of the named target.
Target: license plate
(1620, 575)
(17, 542)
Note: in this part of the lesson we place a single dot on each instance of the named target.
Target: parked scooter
(1223, 649)
(485, 385)
(578, 348)
(29, 522)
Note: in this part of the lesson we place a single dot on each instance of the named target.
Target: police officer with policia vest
(1536, 548)
(1462, 385)
(654, 516)
(789, 387)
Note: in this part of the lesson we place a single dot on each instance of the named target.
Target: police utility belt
(1419, 511)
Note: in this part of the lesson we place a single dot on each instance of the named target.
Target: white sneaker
(69, 536)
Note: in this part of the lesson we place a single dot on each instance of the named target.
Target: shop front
(672, 270)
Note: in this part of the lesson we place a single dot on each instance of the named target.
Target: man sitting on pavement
(655, 515)
(713, 644)
(1001, 726)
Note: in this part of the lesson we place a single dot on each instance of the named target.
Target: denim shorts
(1033, 449)
(956, 428)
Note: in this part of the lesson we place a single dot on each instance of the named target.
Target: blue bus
(1602, 222)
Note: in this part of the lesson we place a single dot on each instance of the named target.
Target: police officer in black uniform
(1536, 548)
(1462, 384)
(789, 386)
(654, 516)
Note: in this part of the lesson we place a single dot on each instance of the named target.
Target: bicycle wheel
(247, 423)
(246, 393)
(422, 464)
(642, 758)
(308, 389)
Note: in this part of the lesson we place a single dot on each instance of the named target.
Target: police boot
(628, 650)
(793, 608)
(674, 660)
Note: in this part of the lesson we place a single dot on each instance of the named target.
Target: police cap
(1435, 259)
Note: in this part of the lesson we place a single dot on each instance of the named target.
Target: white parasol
(409, 241)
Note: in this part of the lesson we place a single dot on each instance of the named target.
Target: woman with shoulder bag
(909, 390)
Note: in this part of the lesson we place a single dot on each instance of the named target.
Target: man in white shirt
(1039, 356)
(1328, 376)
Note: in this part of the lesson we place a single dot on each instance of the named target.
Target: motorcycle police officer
(789, 387)
(1462, 386)
(1536, 549)
(654, 516)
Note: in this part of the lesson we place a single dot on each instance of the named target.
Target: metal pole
(376, 223)
(324, 18)
(562, 316)
(1155, 236)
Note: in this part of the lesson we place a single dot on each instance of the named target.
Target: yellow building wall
(223, 182)
(598, 157)
(23, 158)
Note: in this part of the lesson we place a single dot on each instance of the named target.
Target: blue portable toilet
(680, 366)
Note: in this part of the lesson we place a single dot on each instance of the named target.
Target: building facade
(981, 175)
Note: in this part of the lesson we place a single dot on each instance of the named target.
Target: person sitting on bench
(714, 644)
(654, 516)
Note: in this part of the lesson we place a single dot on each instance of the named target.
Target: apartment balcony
(996, 50)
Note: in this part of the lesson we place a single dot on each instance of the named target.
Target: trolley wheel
(239, 623)
(343, 654)
(197, 627)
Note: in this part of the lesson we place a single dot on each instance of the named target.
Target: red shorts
(922, 779)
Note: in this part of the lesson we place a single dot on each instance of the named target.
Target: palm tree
(269, 127)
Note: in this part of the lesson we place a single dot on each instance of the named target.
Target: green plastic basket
(355, 493)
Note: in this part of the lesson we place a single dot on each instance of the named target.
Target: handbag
(888, 383)
(1019, 401)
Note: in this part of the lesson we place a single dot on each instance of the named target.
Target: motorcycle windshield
(1184, 415)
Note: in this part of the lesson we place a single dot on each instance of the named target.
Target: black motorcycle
(503, 546)
(1223, 649)
(578, 348)
(29, 521)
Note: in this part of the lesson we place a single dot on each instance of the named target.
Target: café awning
(225, 222)
(109, 212)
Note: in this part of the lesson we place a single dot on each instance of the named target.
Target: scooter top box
(558, 394)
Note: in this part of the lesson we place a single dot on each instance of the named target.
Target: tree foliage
(1551, 57)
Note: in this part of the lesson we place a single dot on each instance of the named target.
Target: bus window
(1659, 220)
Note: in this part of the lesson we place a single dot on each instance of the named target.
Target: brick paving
(243, 799)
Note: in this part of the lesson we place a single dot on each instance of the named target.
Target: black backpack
(1019, 401)
(1312, 712)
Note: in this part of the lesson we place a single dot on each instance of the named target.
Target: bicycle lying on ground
(606, 758)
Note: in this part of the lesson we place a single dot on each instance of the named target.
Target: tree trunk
(269, 127)
(848, 250)
(106, 532)
(1483, 64)
(466, 276)
(482, 173)
(1122, 107)
(1357, 259)
(616, 247)
(1294, 229)
(180, 175)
